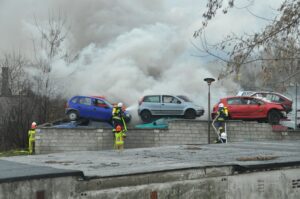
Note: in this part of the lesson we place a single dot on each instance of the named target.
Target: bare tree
(48, 48)
(275, 47)
(17, 109)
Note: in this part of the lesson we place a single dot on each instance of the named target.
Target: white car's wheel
(190, 114)
(146, 116)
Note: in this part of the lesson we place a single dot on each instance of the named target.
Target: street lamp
(209, 81)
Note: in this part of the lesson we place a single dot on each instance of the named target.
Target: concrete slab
(144, 160)
(14, 171)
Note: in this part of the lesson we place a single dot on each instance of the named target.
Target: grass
(13, 153)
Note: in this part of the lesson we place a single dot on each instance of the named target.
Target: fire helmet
(118, 128)
(224, 135)
(33, 125)
(120, 104)
(221, 105)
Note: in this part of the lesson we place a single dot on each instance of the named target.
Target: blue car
(93, 108)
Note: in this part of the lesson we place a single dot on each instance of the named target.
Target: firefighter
(31, 136)
(119, 138)
(118, 116)
(222, 115)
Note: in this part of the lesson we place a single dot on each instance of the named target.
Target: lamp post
(209, 81)
(296, 105)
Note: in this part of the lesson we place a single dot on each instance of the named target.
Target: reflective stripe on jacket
(116, 113)
(119, 138)
(222, 114)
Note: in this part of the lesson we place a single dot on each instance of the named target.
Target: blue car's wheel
(72, 115)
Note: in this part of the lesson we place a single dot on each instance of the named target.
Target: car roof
(95, 97)
(238, 97)
(249, 93)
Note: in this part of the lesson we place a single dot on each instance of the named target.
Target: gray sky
(128, 48)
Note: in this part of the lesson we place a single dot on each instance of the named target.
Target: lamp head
(209, 80)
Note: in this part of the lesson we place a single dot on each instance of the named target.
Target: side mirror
(178, 102)
(154, 123)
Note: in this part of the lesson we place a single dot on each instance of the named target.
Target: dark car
(251, 108)
(94, 108)
(272, 97)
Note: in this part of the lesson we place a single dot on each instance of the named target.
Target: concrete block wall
(54, 188)
(49, 140)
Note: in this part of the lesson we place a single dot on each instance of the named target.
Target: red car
(251, 108)
(271, 97)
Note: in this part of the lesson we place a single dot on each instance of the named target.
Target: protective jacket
(117, 113)
(222, 114)
(31, 134)
(119, 136)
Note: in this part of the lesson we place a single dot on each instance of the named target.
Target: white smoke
(125, 49)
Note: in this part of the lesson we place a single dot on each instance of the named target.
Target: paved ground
(131, 161)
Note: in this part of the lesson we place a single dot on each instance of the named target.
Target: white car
(151, 106)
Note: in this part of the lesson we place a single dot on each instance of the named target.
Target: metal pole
(296, 107)
(208, 131)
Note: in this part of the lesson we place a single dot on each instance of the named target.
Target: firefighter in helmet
(222, 116)
(118, 116)
(119, 137)
(31, 136)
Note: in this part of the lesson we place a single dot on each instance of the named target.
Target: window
(167, 99)
(234, 101)
(184, 98)
(85, 101)
(152, 99)
(74, 100)
(253, 101)
(248, 101)
(100, 103)
(276, 98)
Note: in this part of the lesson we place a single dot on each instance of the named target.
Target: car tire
(274, 117)
(146, 116)
(190, 114)
(72, 115)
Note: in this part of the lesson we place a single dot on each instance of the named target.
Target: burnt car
(251, 108)
(270, 96)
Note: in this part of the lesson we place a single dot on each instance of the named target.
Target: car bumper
(127, 118)
(283, 114)
(199, 113)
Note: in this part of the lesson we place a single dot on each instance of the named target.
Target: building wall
(277, 184)
(49, 140)
(46, 188)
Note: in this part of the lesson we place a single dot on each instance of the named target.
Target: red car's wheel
(274, 117)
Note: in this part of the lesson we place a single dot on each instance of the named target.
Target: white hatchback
(151, 106)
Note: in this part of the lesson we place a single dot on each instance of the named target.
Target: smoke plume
(123, 49)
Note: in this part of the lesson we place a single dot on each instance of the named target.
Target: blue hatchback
(94, 108)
